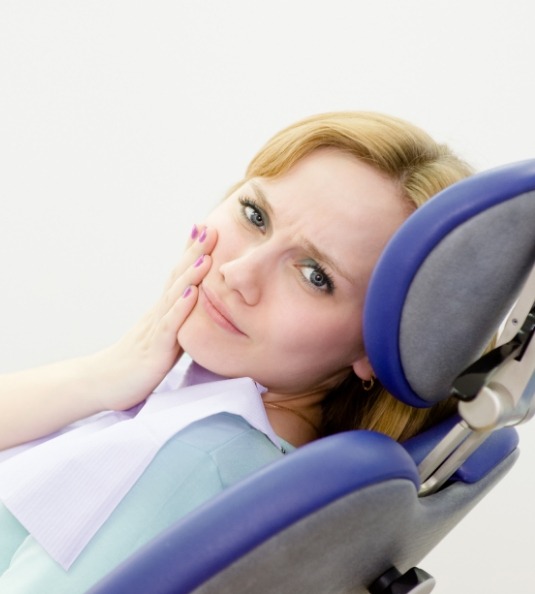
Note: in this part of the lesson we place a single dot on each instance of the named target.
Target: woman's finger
(190, 278)
(203, 244)
(172, 321)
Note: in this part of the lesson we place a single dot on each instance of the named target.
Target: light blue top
(196, 464)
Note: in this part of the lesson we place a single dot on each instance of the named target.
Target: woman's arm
(39, 401)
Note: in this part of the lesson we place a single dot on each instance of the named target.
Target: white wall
(123, 121)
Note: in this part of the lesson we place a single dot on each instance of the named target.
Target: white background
(123, 122)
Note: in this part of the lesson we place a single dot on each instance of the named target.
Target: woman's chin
(203, 355)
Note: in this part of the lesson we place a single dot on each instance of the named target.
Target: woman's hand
(129, 370)
(38, 401)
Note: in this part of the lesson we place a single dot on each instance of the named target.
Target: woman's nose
(243, 274)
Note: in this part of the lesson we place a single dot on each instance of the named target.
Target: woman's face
(282, 302)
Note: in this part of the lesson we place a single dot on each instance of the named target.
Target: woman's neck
(295, 419)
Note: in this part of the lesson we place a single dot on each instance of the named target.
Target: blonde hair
(421, 167)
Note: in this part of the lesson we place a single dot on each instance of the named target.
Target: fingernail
(194, 232)
(202, 236)
(199, 261)
(187, 292)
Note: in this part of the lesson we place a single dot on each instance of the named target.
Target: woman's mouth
(217, 311)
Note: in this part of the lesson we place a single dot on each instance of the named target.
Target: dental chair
(356, 512)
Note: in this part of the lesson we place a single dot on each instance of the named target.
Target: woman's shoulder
(227, 442)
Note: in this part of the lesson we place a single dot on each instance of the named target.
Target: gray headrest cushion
(462, 293)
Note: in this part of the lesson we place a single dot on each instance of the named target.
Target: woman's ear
(363, 369)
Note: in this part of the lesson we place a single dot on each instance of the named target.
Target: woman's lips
(217, 311)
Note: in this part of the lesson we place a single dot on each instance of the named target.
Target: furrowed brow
(317, 254)
(308, 246)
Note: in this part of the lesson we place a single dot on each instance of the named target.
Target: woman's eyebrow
(320, 256)
(308, 246)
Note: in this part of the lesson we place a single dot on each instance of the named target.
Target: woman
(271, 287)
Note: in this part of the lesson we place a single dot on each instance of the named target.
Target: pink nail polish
(199, 262)
(194, 232)
(202, 236)
(186, 293)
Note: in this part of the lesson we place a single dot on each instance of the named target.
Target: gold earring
(368, 385)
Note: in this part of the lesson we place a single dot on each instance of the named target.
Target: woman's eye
(318, 278)
(252, 213)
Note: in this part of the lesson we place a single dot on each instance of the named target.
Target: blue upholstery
(264, 505)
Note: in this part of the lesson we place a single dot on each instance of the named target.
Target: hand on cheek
(138, 362)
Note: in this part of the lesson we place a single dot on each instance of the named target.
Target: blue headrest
(447, 279)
